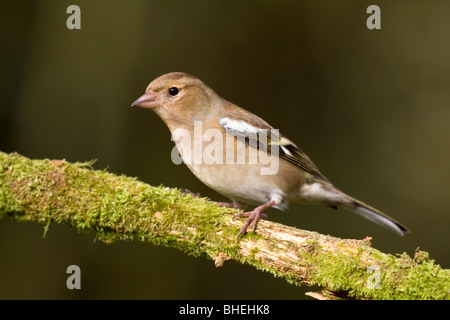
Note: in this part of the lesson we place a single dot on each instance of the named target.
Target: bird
(227, 148)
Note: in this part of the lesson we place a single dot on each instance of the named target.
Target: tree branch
(122, 208)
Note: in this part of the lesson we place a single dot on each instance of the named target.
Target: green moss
(114, 207)
(399, 278)
(123, 208)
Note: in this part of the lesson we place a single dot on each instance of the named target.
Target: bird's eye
(173, 91)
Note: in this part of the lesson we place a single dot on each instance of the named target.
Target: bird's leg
(254, 216)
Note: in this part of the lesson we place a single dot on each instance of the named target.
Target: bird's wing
(260, 135)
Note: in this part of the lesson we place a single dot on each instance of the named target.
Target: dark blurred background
(370, 107)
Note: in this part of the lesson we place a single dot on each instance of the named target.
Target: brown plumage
(271, 170)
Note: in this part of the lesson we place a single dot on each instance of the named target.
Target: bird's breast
(232, 168)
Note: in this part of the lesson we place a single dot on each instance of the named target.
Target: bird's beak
(147, 100)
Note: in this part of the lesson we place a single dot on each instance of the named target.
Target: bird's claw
(252, 216)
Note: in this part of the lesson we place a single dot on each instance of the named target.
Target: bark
(123, 208)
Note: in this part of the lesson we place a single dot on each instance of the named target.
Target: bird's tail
(374, 215)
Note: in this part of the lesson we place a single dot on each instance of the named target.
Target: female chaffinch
(241, 156)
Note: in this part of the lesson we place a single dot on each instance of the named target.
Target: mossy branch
(122, 208)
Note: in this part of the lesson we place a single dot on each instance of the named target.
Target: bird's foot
(253, 216)
(226, 204)
(187, 191)
(234, 205)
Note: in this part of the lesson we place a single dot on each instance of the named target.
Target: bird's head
(174, 95)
